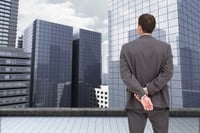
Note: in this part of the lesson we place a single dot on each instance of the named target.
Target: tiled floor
(87, 125)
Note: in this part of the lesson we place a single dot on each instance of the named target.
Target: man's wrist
(143, 97)
(145, 90)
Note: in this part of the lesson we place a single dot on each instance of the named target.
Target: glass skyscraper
(86, 66)
(8, 22)
(50, 45)
(178, 24)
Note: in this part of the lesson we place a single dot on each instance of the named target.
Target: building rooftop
(69, 120)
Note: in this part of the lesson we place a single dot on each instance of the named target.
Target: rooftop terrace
(87, 120)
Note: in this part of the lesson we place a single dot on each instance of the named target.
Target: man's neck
(146, 34)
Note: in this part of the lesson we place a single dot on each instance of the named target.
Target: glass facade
(177, 24)
(51, 47)
(14, 78)
(189, 45)
(86, 66)
(8, 22)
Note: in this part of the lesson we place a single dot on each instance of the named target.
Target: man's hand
(145, 101)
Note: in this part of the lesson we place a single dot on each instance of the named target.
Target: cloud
(56, 1)
(92, 7)
(58, 11)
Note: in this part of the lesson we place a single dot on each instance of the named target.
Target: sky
(87, 14)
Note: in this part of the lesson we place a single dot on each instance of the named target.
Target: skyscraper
(14, 77)
(86, 66)
(177, 24)
(8, 22)
(50, 45)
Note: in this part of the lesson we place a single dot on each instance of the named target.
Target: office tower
(14, 78)
(86, 66)
(177, 24)
(8, 22)
(50, 45)
(20, 41)
(99, 97)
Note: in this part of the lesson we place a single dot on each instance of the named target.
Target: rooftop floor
(87, 120)
(88, 125)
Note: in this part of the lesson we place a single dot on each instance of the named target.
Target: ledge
(186, 112)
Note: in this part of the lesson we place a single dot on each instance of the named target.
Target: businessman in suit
(146, 66)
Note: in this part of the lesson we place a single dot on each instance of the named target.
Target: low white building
(99, 97)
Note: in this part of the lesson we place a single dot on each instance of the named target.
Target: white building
(99, 97)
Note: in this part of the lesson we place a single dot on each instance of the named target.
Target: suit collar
(145, 36)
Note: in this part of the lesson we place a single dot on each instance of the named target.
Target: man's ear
(139, 29)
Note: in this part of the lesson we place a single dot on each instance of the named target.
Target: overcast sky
(88, 14)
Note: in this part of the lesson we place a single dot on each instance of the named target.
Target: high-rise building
(86, 72)
(8, 22)
(50, 45)
(14, 78)
(177, 24)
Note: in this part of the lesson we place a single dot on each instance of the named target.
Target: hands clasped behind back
(145, 101)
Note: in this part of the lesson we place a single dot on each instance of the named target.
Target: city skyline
(43, 78)
(170, 15)
(85, 15)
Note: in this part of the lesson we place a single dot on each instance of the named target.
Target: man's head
(146, 24)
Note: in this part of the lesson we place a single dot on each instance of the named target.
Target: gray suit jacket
(146, 62)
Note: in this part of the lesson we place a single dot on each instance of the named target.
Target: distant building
(105, 63)
(86, 72)
(8, 22)
(20, 42)
(50, 45)
(99, 97)
(14, 78)
(104, 78)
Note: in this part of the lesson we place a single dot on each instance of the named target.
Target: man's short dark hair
(147, 22)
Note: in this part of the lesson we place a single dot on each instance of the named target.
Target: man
(146, 67)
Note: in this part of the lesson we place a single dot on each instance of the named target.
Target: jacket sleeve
(164, 76)
(128, 77)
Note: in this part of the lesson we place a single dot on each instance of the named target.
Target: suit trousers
(159, 119)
